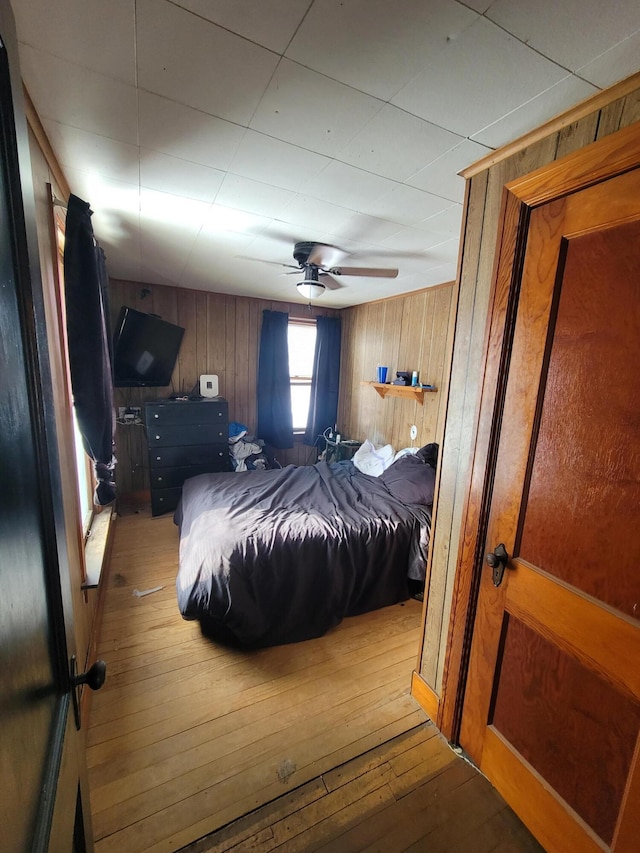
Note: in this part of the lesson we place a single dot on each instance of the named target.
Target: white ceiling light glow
(310, 289)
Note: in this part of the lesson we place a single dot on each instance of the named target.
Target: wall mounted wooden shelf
(400, 391)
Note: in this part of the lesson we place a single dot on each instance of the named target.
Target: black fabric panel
(325, 383)
(86, 302)
(275, 423)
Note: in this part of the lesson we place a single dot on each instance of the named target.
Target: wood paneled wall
(404, 333)
(221, 337)
(593, 120)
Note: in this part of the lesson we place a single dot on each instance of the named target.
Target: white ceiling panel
(535, 112)
(254, 196)
(314, 214)
(274, 162)
(75, 96)
(116, 161)
(205, 132)
(547, 30)
(179, 177)
(447, 222)
(107, 45)
(492, 74)
(614, 64)
(373, 45)
(345, 185)
(294, 108)
(273, 30)
(407, 205)
(396, 144)
(441, 176)
(187, 133)
(199, 64)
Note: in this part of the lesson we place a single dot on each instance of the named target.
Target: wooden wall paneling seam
(475, 509)
(631, 109)
(450, 459)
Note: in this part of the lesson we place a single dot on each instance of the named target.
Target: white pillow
(406, 451)
(372, 460)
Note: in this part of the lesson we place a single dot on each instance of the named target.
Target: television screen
(145, 349)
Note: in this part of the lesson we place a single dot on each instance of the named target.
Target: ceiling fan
(318, 264)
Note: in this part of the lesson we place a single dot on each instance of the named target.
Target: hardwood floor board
(344, 773)
(249, 686)
(125, 740)
(332, 823)
(254, 829)
(293, 666)
(440, 818)
(373, 831)
(216, 738)
(235, 763)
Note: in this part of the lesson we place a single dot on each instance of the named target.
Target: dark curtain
(323, 408)
(87, 310)
(275, 424)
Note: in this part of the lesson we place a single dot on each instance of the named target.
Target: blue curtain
(275, 423)
(323, 408)
(87, 311)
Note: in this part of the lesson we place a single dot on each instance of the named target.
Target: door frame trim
(614, 155)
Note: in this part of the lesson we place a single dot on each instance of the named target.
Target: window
(302, 345)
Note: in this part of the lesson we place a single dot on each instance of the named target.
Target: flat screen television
(145, 349)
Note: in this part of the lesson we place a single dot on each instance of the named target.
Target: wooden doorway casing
(601, 161)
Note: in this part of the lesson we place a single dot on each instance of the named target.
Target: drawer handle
(158, 458)
(157, 438)
(156, 416)
(159, 479)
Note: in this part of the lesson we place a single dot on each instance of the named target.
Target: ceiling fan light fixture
(310, 289)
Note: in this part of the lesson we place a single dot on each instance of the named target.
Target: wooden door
(552, 705)
(41, 754)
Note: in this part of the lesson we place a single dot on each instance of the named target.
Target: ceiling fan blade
(364, 271)
(325, 255)
(330, 282)
(271, 263)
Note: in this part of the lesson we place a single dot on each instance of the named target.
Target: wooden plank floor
(412, 793)
(292, 747)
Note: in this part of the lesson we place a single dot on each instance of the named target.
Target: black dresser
(185, 438)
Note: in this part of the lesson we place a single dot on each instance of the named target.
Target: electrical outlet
(413, 432)
(129, 413)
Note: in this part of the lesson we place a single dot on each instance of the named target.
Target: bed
(283, 555)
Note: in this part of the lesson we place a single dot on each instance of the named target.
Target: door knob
(498, 560)
(94, 678)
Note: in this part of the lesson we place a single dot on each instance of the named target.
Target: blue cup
(381, 374)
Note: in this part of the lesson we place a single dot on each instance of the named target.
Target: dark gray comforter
(279, 556)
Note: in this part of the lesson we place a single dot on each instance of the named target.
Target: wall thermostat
(209, 385)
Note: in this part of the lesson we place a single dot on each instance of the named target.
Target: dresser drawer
(208, 454)
(165, 500)
(186, 412)
(185, 434)
(166, 478)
